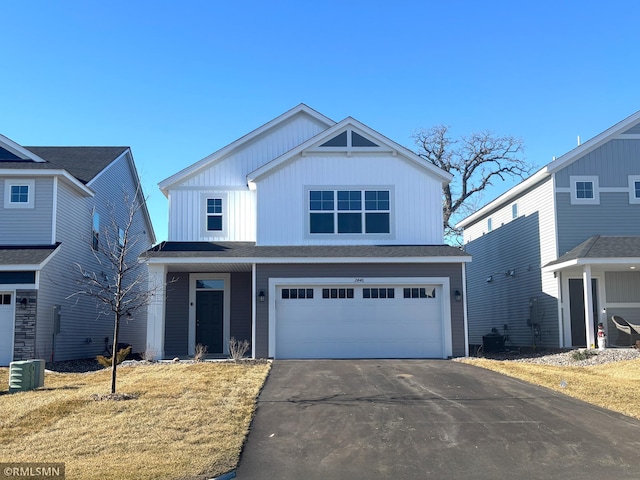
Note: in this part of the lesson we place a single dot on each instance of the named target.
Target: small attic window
(337, 141)
(358, 140)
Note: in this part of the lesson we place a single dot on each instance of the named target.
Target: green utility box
(26, 375)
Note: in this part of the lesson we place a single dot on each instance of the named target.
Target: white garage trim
(8, 323)
(445, 299)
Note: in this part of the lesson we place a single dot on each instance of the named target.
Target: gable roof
(327, 135)
(84, 163)
(213, 158)
(545, 172)
(28, 257)
(600, 249)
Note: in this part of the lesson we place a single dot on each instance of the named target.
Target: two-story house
(55, 202)
(560, 252)
(310, 239)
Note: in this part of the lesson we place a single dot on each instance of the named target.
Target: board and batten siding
(522, 245)
(232, 170)
(28, 226)
(283, 204)
(83, 328)
(351, 271)
(188, 217)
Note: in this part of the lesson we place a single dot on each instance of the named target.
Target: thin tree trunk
(114, 355)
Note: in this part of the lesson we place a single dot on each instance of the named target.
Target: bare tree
(121, 288)
(475, 161)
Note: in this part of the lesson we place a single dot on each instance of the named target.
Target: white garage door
(381, 321)
(6, 328)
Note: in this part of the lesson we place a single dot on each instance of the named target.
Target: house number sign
(359, 280)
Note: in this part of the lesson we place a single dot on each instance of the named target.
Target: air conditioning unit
(26, 375)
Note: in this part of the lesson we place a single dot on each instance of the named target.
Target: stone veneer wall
(24, 345)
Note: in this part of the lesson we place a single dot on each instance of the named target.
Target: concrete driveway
(428, 419)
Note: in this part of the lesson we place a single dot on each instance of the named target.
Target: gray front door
(209, 319)
(576, 308)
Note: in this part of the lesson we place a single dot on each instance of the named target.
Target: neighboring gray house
(310, 239)
(575, 222)
(54, 202)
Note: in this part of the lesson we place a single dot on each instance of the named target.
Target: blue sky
(176, 81)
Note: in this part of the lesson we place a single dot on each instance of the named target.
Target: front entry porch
(599, 279)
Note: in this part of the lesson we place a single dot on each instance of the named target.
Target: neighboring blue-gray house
(310, 239)
(575, 222)
(54, 203)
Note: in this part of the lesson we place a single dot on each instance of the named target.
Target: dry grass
(188, 421)
(614, 386)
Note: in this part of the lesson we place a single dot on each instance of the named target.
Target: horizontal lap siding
(28, 226)
(176, 326)
(452, 271)
(523, 245)
(241, 306)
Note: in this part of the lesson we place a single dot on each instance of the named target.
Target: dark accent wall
(395, 270)
(176, 326)
(240, 319)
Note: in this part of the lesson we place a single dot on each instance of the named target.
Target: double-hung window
(214, 214)
(634, 188)
(352, 211)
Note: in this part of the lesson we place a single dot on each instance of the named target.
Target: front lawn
(188, 421)
(613, 386)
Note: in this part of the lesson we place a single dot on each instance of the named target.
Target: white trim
(11, 290)
(362, 235)
(304, 260)
(464, 310)
(632, 189)
(594, 180)
(54, 210)
(19, 150)
(156, 310)
(226, 313)
(215, 157)
(254, 293)
(556, 165)
(275, 164)
(77, 184)
(204, 215)
(20, 182)
(30, 266)
(102, 172)
(592, 261)
(442, 282)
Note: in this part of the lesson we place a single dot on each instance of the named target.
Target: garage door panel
(358, 327)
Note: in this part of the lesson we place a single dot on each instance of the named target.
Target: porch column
(254, 294)
(588, 306)
(155, 311)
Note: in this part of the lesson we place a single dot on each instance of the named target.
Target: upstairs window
(514, 211)
(95, 231)
(634, 188)
(214, 214)
(353, 211)
(19, 193)
(584, 190)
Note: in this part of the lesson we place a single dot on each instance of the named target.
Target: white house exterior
(310, 239)
(575, 222)
(52, 202)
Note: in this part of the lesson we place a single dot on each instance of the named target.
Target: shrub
(200, 353)
(122, 354)
(579, 355)
(237, 349)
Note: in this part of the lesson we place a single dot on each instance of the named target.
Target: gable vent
(342, 140)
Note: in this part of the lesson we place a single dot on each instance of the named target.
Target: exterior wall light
(261, 296)
(490, 279)
(457, 295)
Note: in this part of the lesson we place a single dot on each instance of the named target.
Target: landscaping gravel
(565, 358)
